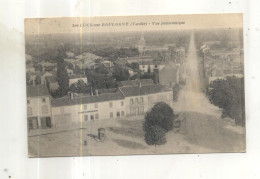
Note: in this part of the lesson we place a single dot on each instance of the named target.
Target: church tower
(141, 44)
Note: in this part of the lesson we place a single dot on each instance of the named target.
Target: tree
(100, 80)
(79, 87)
(37, 80)
(120, 73)
(62, 77)
(228, 95)
(155, 135)
(161, 115)
(101, 68)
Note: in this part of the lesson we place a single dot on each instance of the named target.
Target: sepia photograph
(135, 85)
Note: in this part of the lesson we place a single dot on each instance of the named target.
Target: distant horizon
(148, 31)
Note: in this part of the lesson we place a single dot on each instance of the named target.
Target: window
(43, 100)
(141, 110)
(96, 116)
(136, 100)
(29, 111)
(111, 114)
(122, 103)
(117, 114)
(85, 107)
(132, 111)
(110, 104)
(45, 109)
(48, 122)
(85, 117)
(141, 100)
(122, 113)
(28, 101)
(96, 105)
(92, 117)
(30, 124)
(132, 101)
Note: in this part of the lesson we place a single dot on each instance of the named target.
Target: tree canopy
(62, 77)
(120, 73)
(80, 87)
(162, 115)
(228, 95)
(158, 121)
(155, 136)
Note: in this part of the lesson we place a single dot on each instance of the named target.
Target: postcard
(160, 84)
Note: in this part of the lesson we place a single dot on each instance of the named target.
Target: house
(38, 107)
(169, 75)
(123, 61)
(44, 74)
(52, 83)
(30, 68)
(30, 78)
(69, 72)
(142, 82)
(126, 101)
(87, 57)
(74, 110)
(150, 66)
(107, 63)
(131, 72)
(140, 99)
(76, 78)
(47, 66)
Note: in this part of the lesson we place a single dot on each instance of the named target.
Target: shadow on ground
(209, 131)
(129, 128)
(129, 144)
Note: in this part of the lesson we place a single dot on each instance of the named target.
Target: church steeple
(142, 41)
(141, 44)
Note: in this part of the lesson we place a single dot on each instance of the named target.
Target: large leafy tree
(155, 136)
(120, 73)
(228, 95)
(158, 121)
(100, 80)
(162, 115)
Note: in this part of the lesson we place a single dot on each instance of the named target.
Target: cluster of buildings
(132, 98)
(222, 62)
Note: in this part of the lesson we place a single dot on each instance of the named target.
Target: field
(198, 133)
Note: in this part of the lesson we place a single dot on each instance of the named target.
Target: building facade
(131, 99)
(38, 107)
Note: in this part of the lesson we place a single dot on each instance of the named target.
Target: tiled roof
(77, 76)
(37, 90)
(143, 90)
(137, 82)
(86, 99)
